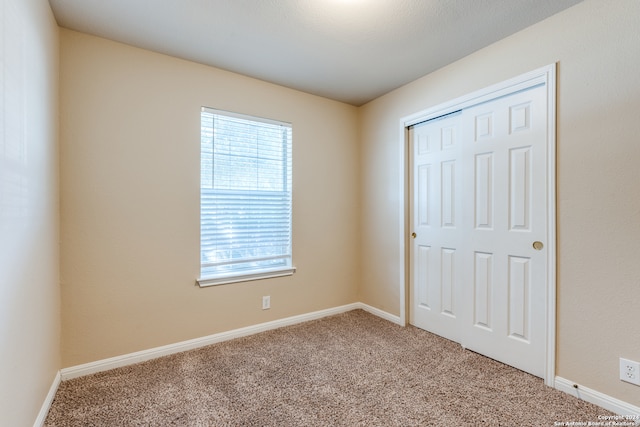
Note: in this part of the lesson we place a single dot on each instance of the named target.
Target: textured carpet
(353, 369)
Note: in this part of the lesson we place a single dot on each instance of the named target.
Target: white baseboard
(377, 312)
(46, 405)
(597, 398)
(144, 355)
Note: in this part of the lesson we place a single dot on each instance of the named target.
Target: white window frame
(209, 278)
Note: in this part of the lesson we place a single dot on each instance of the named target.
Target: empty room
(319, 212)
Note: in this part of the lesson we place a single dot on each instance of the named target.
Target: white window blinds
(245, 198)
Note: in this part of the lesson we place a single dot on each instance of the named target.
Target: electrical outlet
(630, 371)
(266, 302)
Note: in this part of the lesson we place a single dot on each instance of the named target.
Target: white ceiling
(349, 50)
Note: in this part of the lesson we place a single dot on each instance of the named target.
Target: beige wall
(29, 253)
(130, 147)
(597, 47)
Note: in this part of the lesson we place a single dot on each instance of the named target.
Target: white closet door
(479, 213)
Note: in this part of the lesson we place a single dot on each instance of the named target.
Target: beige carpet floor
(353, 369)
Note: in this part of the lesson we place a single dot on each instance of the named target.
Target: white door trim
(547, 76)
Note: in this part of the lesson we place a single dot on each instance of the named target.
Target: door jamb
(546, 76)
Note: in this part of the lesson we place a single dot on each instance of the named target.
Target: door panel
(478, 202)
(483, 290)
(435, 207)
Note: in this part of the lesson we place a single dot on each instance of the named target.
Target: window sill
(204, 282)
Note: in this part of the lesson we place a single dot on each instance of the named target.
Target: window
(245, 198)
